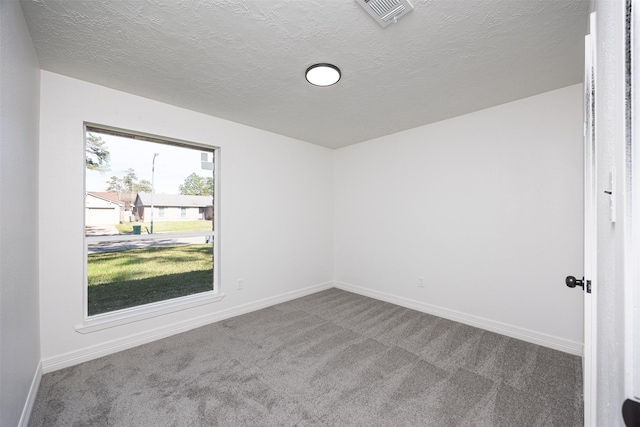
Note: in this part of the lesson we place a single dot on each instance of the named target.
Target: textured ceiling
(245, 60)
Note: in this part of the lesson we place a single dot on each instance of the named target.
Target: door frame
(632, 220)
(589, 361)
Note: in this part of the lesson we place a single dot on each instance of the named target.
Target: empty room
(348, 212)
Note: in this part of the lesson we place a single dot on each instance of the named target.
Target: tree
(96, 154)
(115, 184)
(129, 183)
(128, 186)
(142, 186)
(196, 185)
(129, 180)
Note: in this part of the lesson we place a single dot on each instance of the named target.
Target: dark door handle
(572, 282)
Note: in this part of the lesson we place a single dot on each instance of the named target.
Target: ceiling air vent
(386, 11)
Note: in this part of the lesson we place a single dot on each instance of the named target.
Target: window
(135, 262)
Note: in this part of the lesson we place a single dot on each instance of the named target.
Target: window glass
(137, 272)
(142, 247)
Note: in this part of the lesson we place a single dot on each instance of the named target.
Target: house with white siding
(172, 207)
(102, 208)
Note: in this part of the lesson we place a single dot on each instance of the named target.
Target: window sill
(135, 314)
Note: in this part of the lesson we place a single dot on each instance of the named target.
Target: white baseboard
(556, 343)
(83, 355)
(31, 397)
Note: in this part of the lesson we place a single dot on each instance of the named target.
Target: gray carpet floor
(333, 358)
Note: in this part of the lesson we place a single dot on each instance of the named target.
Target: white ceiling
(245, 60)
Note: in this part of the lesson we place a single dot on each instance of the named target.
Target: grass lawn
(166, 226)
(134, 277)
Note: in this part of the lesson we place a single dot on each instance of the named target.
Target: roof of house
(109, 196)
(174, 200)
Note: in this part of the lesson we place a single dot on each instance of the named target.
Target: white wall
(276, 211)
(487, 207)
(19, 334)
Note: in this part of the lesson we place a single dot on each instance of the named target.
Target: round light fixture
(323, 74)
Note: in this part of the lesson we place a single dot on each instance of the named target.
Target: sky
(172, 165)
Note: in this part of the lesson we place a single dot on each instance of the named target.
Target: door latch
(572, 282)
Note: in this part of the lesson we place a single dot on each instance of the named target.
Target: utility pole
(153, 176)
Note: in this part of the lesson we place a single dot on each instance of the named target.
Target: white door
(590, 287)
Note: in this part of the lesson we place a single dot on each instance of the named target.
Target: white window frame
(159, 308)
(162, 212)
(183, 212)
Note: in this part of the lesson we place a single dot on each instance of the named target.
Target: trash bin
(136, 229)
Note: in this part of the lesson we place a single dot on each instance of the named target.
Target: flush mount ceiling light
(323, 74)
